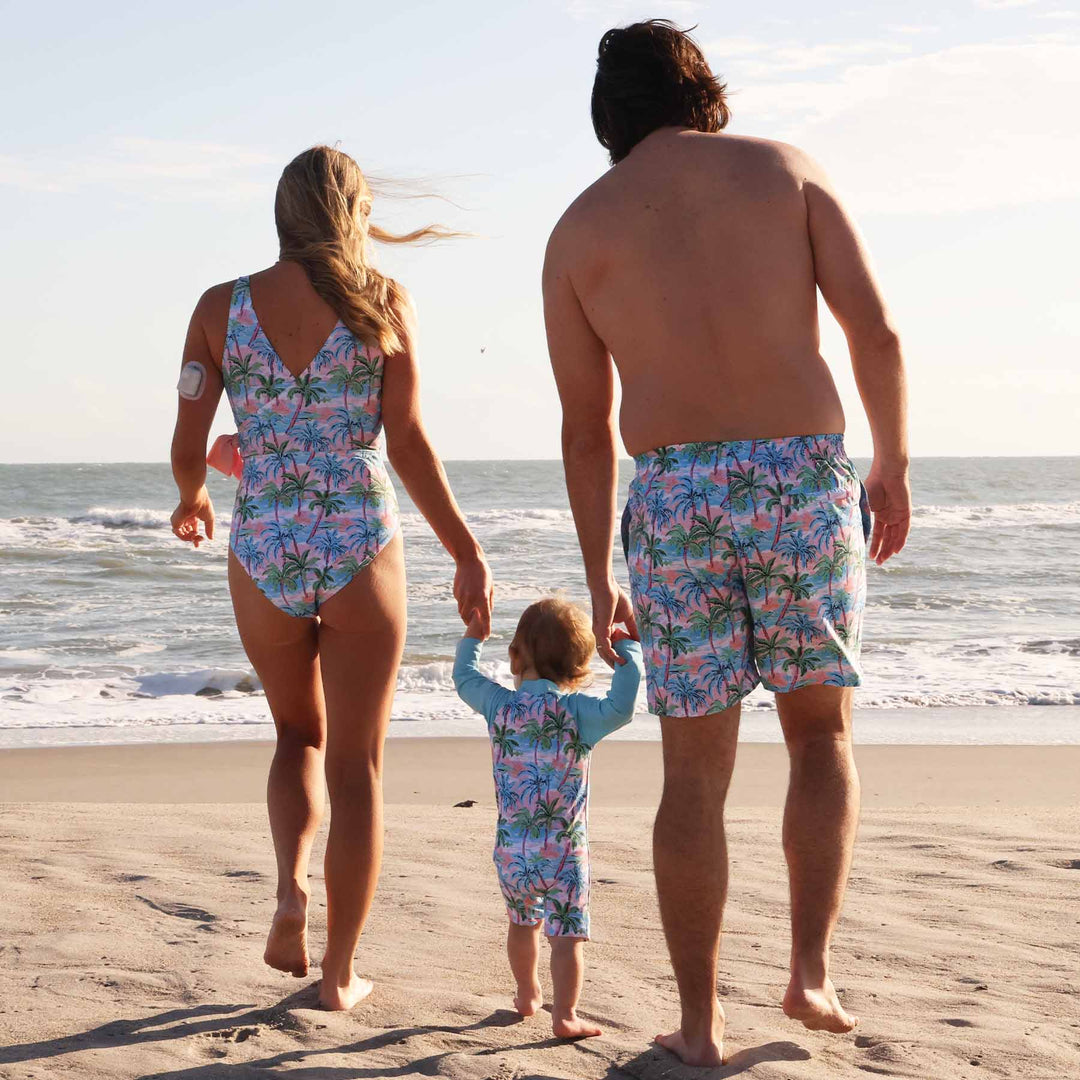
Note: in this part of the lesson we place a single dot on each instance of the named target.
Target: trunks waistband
(741, 450)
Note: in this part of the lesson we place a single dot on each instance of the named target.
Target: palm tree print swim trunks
(315, 502)
(747, 564)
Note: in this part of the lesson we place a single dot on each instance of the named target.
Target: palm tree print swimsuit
(747, 564)
(315, 502)
(541, 742)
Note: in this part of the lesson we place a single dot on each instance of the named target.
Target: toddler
(542, 735)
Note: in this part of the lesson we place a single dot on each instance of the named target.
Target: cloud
(620, 9)
(970, 127)
(756, 58)
(155, 168)
(1002, 5)
(1058, 15)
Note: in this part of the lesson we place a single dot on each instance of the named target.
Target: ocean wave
(433, 681)
(496, 521)
(131, 518)
(1002, 514)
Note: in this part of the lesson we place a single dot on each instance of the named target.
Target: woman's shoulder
(402, 302)
(213, 305)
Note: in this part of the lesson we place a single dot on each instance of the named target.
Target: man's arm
(584, 376)
(846, 279)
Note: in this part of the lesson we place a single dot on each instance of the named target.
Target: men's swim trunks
(747, 564)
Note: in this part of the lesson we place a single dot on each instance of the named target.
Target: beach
(134, 745)
(139, 885)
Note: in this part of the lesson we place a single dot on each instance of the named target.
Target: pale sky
(142, 143)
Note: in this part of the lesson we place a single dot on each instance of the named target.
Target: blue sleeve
(475, 689)
(597, 717)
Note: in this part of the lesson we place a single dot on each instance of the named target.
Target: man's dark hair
(652, 75)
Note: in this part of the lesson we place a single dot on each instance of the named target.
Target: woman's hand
(474, 593)
(187, 515)
(611, 607)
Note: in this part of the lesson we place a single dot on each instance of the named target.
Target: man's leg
(690, 860)
(820, 821)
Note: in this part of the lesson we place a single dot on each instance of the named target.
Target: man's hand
(890, 502)
(611, 607)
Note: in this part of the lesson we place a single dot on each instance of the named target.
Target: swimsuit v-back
(315, 503)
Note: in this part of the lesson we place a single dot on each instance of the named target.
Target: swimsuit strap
(241, 294)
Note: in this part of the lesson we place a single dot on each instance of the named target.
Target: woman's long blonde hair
(321, 211)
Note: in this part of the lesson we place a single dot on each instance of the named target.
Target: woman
(317, 355)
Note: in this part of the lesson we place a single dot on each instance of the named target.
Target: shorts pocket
(864, 511)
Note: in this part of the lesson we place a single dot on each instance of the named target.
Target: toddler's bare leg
(523, 951)
(567, 973)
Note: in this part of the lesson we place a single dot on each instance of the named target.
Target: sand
(132, 929)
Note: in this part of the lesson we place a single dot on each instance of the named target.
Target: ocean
(112, 631)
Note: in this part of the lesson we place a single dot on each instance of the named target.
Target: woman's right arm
(415, 461)
(194, 417)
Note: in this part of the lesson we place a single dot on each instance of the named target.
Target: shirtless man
(694, 265)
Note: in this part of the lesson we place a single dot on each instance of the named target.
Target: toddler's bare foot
(529, 999)
(568, 1025)
(286, 944)
(340, 998)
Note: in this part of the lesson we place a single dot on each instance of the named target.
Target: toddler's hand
(475, 628)
(619, 635)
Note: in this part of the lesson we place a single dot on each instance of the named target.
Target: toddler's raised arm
(473, 687)
(597, 717)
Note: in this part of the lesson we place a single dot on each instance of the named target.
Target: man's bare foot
(286, 944)
(705, 1049)
(341, 998)
(818, 1008)
(529, 999)
(568, 1025)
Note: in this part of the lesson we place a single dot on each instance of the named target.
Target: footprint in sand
(234, 1034)
(1006, 864)
(180, 911)
(955, 1021)
(1066, 864)
(250, 875)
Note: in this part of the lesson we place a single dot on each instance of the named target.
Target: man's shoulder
(579, 215)
(753, 152)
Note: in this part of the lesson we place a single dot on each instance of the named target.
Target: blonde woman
(317, 355)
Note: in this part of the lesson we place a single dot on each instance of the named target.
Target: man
(693, 264)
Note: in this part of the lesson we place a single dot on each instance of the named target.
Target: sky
(142, 143)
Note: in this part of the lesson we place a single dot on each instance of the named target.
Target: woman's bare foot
(818, 1008)
(341, 998)
(705, 1048)
(568, 1025)
(286, 944)
(528, 1000)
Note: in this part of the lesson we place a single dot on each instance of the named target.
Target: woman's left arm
(415, 461)
(194, 415)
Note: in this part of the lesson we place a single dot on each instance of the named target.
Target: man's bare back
(693, 261)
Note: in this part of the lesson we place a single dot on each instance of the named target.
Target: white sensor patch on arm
(192, 381)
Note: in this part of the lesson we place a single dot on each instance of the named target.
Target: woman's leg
(361, 639)
(283, 650)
